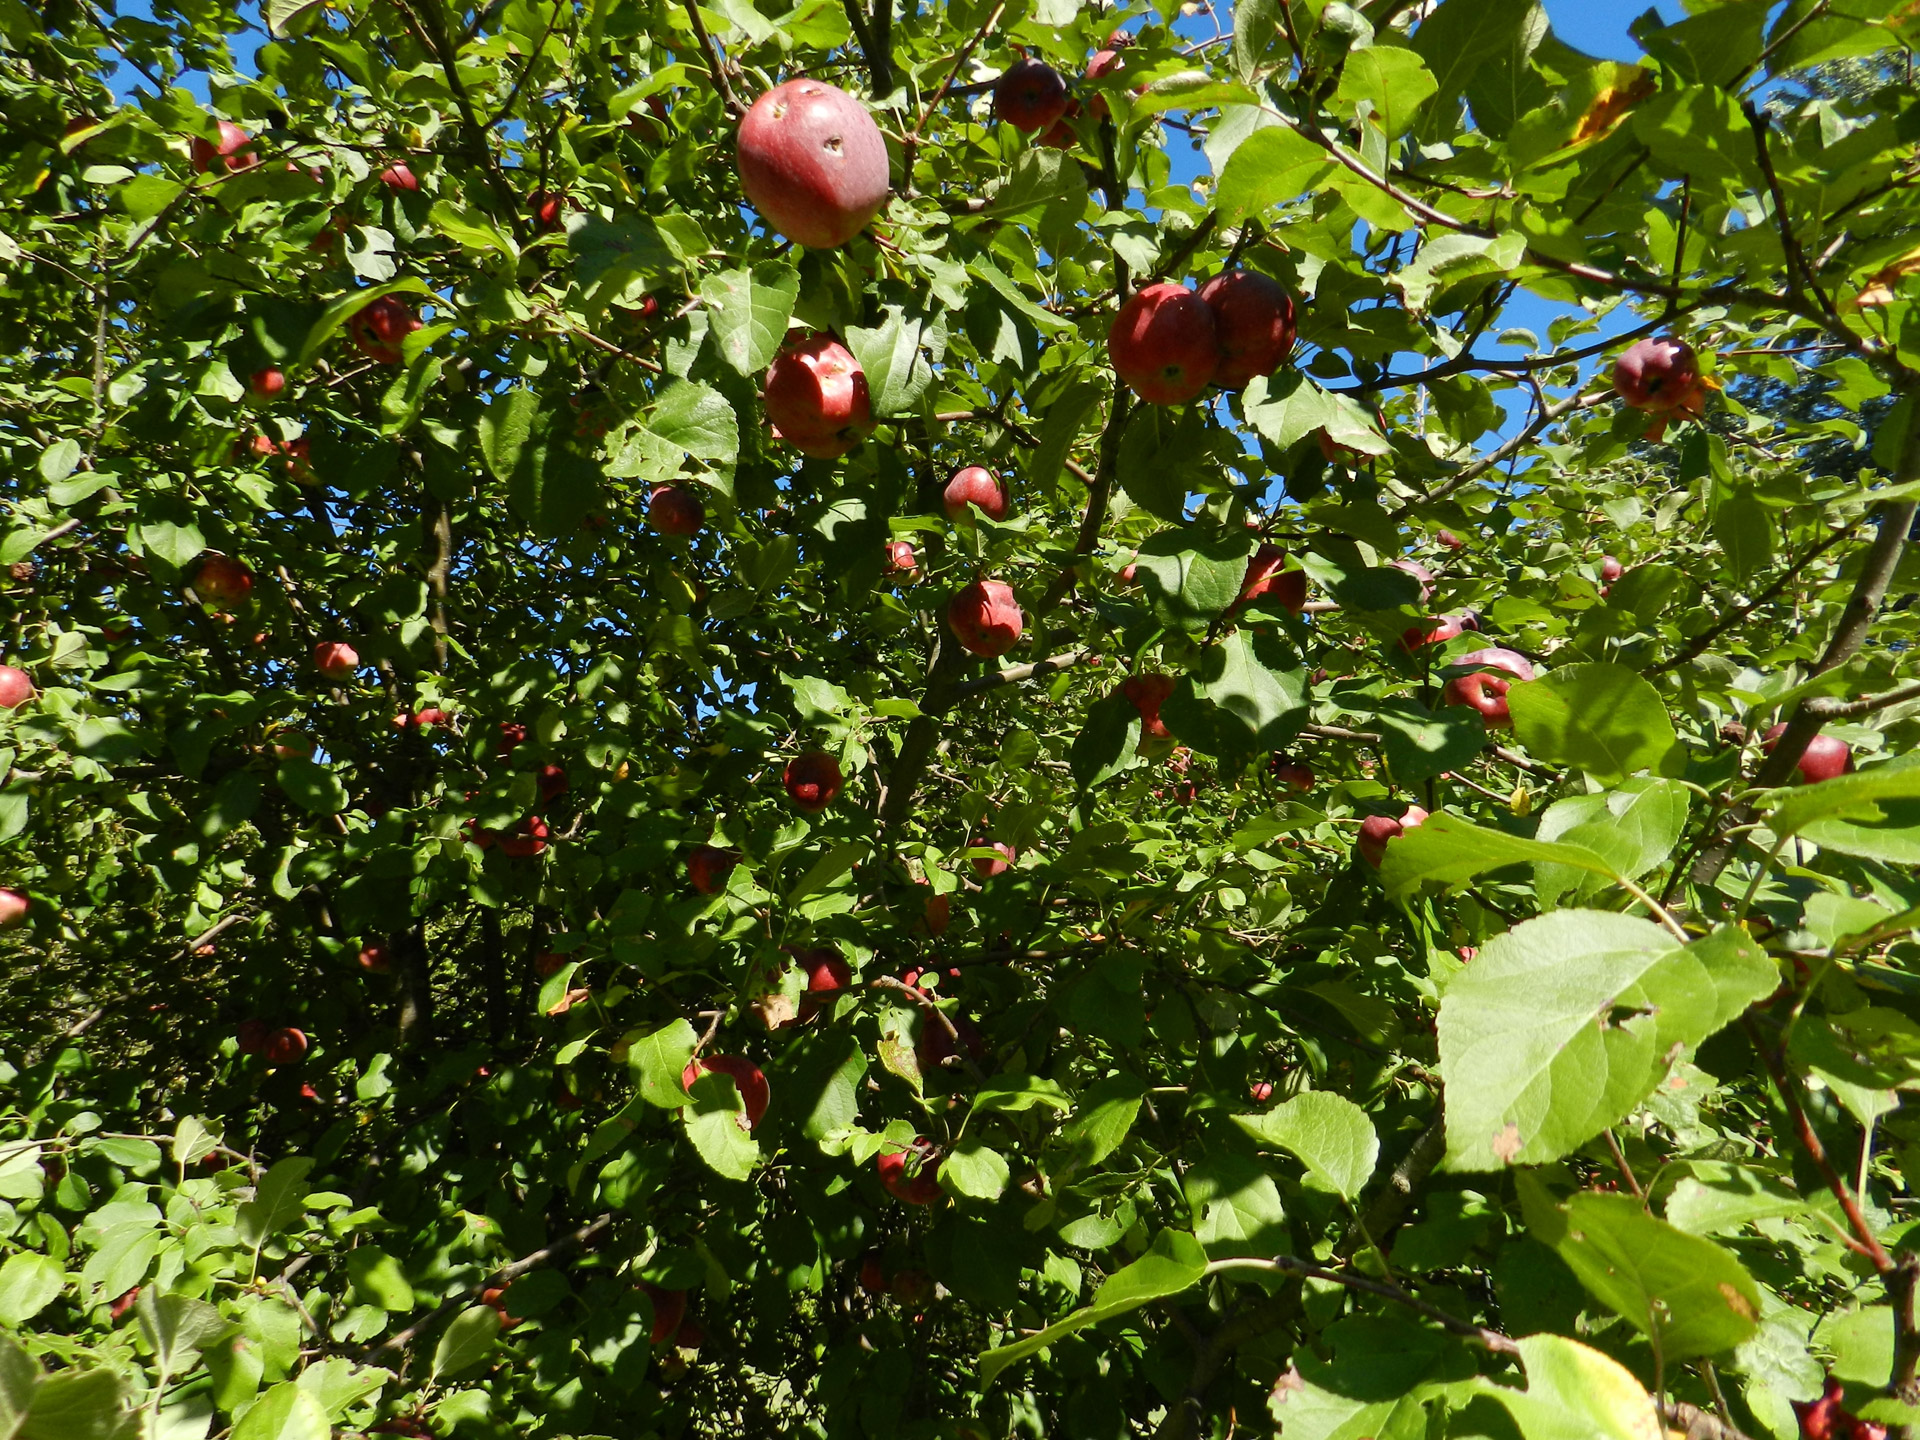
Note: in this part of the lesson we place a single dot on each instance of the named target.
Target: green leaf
(714, 1121)
(1106, 1114)
(1268, 168)
(28, 1283)
(80, 1405)
(1855, 799)
(974, 1171)
(177, 1327)
(1743, 529)
(312, 786)
(192, 1141)
(1235, 1205)
(19, 1377)
(1561, 1026)
(1600, 717)
(1327, 1133)
(1422, 743)
(898, 357)
(554, 489)
(1008, 1094)
(1160, 454)
(1239, 701)
(278, 1200)
(1288, 408)
(607, 254)
(748, 311)
(1633, 828)
(378, 1278)
(1450, 850)
(1450, 259)
(1106, 740)
(1175, 1262)
(503, 429)
(1460, 40)
(660, 1059)
(464, 1346)
(339, 1384)
(1394, 82)
(1191, 576)
(1576, 1391)
(1686, 1292)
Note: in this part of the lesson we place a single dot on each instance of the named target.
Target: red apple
(817, 398)
(1253, 321)
(1030, 96)
(669, 1309)
(911, 1171)
(827, 971)
(812, 162)
(812, 781)
(266, 384)
(16, 687)
(334, 660)
(1827, 757)
(424, 719)
(1487, 693)
(1430, 632)
(1293, 774)
(548, 210)
(938, 914)
(1267, 576)
(672, 510)
(512, 735)
(378, 327)
(1377, 830)
(548, 963)
(985, 618)
(233, 151)
(13, 908)
(1260, 1091)
(744, 1073)
(494, 1297)
(987, 869)
(708, 868)
(1147, 692)
(285, 1046)
(901, 558)
(398, 177)
(1104, 62)
(1164, 344)
(221, 581)
(1657, 375)
(375, 958)
(526, 839)
(975, 485)
(1610, 569)
(1450, 541)
(1061, 135)
(1419, 572)
(552, 780)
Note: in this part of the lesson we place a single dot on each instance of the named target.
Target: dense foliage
(557, 881)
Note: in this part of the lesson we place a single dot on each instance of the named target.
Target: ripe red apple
(938, 914)
(494, 1297)
(1260, 1091)
(1061, 135)
(812, 162)
(378, 327)
(1377, 830)
(817, 398)
(672, 510)
(812, 781)
(285, 1046)
(221, 581)
(398, 177)
(975, 485)
(1267, 576)
(1294, 774)
(233, 151)
(744, 1073)
(334, 660)
(1030, 96)
(1430, 632)
(1104, 62)
(1657, 375)
(266, 384)
(375, 958)
(552, 781)
(1147, 692)
(901, 558)
(708, 868)
(910, 1172)
(1487, 693)
(526, 839)
(1253, 321)
(1164, 344)
(987, 869)
(13, 908)
(1450, 541)
(669, 1309)
(827, 971)
(1419, 572)
(985, 618)
(16, 687)
(512, 735)
(1827, 757)
(424, 719)
(1610, 569)
(548, 211)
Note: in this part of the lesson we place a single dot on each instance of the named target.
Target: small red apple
(817, 398)
(221, 581)
(552, 780)
(913, 1289)
(398, 177)
(1104, 62)
(1164, 344)
(1294, 774)
(233, 151)
(911, 1171)
(13, 908)
(754, 1093)
(938, 914)
(1253, 320)
(266, 384)
(975, 485)
(495, 1298)
(672, 510)
(1260, 1091)
(669, 1309)
(512, 735)
(548, 211)
(1334, 453)
(1430, 632)
(1061, 135)
(375, 958)
(1267, 576)
(1827, 757)
(812, 781)
(987, 869)
(334, 660)
(526, 839)
(813, 163)
(827, 971)
(1147, 692)
(1657, 374)
(901, 558)
(985, 618)
(285, 1046)
(1484, 692)
(1610, 569)
(16, 687)
(1448, 540)
(708, 868)
(1030, 96)
(1376, 831)
(378, 327)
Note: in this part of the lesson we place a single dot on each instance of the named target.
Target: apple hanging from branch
(1165, 344)
(813, 163)
(816, 398)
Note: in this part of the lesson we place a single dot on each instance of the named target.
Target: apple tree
(976, 720)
